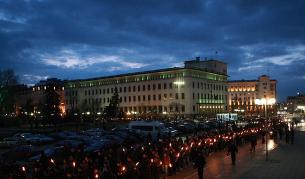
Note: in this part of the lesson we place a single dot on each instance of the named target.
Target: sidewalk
(285, 161)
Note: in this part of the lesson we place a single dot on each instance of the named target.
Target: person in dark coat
(292, 136)
(200, 163)
(232, 150)
(253, 143)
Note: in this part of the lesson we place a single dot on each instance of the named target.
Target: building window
(165, 95)
(193, 84)
(120, 89)
(170, 85)
(193, 108)
(154, 97)
(143, 97)
(139, 88)
(125, 99)
(177, 97)
(182, 95)
(159, 86)
(129, 98)
(164, 86)
(148, 97)
(134, 88)
(148, 87)
(143, 87)
(134, 98)
(124, 88)
(193, 95)
(139, 98)
(85, 92)
(159, 96)
(129, 89)
(107, 90)
(183, 108)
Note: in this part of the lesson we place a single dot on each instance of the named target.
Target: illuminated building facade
(36, 97)
(296, 103)
(243, 94)
(189, 90)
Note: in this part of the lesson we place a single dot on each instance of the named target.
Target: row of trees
(9, 87)
(8, 82)
(49, 108)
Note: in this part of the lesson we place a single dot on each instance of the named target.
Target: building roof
(205, 60)
(142, 73)
(236, 81)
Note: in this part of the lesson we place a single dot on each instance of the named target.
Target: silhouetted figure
(281, 133)
(287, 135)
(292, 136)
(263, 137)
(200, 163)
(149, 138)
(253, 143)
(232, 150)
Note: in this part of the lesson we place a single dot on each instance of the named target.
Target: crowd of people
(150, 159)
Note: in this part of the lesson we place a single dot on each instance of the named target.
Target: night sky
(72, 39)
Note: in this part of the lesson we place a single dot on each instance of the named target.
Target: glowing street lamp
(265, 102)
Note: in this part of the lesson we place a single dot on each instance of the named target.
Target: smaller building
(244, 94)
(35, 97)
(296, 103)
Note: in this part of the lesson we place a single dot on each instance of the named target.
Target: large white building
(198, 88)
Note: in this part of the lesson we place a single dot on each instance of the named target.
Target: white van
(146, 127)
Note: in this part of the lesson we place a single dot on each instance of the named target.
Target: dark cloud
(47, 38)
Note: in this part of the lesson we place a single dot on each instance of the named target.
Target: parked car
(69, 143)
(62, 135)
(97, 145)
(9, 142)
(94, 132)
(147, 127)
(44, 138)
(49, 152)
(186, 128)
(169, 131)
(20, 153)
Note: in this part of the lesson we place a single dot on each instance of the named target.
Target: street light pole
(266, 130)
(266, 102)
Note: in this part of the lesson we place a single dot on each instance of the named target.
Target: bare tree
(8, 82)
